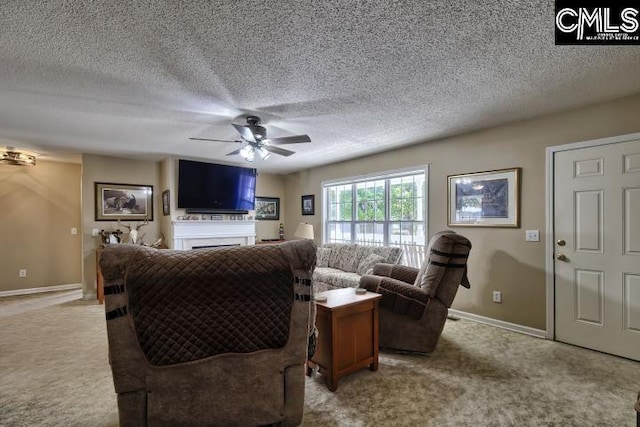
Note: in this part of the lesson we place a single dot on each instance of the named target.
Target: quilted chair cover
(209, 337)
(415, 303)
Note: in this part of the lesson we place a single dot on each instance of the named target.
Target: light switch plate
(532, 235)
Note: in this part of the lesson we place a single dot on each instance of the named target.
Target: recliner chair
(415, 303)
(209, 337)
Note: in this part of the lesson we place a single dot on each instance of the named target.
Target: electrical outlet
(532, 235)
(497, 296)
(22, 273)
(74, 230)
(95, 232)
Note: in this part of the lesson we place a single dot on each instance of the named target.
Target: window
(388, 209)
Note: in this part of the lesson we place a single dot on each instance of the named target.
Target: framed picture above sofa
(484, 199)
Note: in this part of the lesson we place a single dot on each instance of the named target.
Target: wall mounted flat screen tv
(212, 188)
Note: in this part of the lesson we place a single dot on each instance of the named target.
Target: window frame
(386, 176)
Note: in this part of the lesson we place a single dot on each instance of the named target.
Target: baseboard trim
(40, 290)
(538, 333)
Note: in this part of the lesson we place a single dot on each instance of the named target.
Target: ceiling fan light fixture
(259, 132)
(263, 153)
(256, 142)
(17, 158)
(248, 153)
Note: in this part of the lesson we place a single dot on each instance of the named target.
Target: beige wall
(34, 206)
(306, 183)
(501, 259)
(120, 171)
(268, 185)
(40, 205)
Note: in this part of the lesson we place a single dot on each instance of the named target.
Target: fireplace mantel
(190, 234)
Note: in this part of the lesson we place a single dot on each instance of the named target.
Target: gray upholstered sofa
(211, 337)
(340, 265)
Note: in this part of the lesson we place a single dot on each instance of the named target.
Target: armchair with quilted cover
(415, 303)
(209, 337)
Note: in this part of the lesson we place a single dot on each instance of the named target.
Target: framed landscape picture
(127, 202)
(268, 208)
(309, 204)
(484, 199)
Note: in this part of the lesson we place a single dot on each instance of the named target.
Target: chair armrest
(397, 296)
(403, 273)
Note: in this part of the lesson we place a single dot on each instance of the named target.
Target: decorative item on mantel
(281, 231)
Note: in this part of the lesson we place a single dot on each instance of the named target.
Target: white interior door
(597, 247)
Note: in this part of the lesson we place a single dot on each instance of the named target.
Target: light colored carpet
(54, 372)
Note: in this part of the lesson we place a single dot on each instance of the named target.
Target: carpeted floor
(54, 371)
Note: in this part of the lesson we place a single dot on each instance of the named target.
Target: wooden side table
(347, 334)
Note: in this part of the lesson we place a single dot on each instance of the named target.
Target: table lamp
(304, 231)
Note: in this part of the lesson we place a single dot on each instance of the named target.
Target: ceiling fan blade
(277, 150)
(245, 132)
(234, 152)
(296, 139)
(214, 140)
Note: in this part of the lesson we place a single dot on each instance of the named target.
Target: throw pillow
(322, 257)
(366, 265)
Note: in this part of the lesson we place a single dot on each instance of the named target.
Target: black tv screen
(208, 187)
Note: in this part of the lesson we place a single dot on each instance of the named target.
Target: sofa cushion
(336, 278)
(343, 257)
(322, 258)
(391, 254)
(366, 265)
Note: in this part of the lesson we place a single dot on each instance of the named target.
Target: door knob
(561, 242)
(561, 257)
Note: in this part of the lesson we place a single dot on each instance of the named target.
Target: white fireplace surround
(191, 234)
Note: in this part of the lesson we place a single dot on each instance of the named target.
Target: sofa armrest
(127, 361)
(403, 273)
(370, 282)
(397, 296)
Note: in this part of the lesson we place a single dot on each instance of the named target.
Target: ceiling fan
(257, 143)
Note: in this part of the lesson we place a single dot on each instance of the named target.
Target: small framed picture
(268, 208)
(165, 203)
(309, 204)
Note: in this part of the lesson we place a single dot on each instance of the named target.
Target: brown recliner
(415, 303)
(209, 337)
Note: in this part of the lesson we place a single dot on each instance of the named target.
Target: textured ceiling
(138, 78)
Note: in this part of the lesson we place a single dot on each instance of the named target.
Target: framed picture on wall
(166, 210)
(484, 199)
(309, 204)
(127, 202)
(268, 208)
